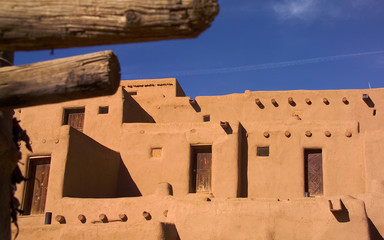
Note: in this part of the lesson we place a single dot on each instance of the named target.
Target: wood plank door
(76, 120)
(74, 117)
(37, 185)
(313, 172)
(202, 159)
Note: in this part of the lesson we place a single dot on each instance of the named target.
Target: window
(156, 152)
(262, 151)
(206, 118)
(74, 117)
(132, 93)
(103, 110)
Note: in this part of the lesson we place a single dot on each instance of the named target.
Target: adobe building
(151, 163)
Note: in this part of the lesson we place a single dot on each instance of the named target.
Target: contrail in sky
(256, 67)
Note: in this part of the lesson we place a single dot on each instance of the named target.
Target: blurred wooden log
(84, 76)
(47, 24)
(8, 159)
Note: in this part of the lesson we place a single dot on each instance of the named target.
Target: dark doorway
(201, 164)
(36, 186)
(313, 172)
(74, 117)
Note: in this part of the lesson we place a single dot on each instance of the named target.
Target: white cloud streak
(256, 67)
(309, 10)
(301, 9)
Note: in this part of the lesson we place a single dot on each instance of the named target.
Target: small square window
(103, 110)
(156, 152)
(263, 151)
(206, 118)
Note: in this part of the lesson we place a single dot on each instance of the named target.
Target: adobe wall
(144, 115)
(91, 170)
(43, 125)
(281, 174)
(157, 101)
(173, 166)
(197, 218)
(346, 160)
(43, 122)
(269, 219)
(154, 88)
(81, 168)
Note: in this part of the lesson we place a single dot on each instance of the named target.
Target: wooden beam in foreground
(48, 24)
(84, 76)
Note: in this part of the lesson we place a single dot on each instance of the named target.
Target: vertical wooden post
(8, 159)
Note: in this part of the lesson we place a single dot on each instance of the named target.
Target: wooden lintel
(48, 24)
(84, 76)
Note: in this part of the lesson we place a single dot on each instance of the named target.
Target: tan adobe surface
(257, 165)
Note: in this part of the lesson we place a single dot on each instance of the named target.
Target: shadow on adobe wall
(170, 231)
(373, 232)
(133, 112)
(343, 215)
(92, 170)
(126, 187)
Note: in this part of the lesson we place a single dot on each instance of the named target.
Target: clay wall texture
(151, 128)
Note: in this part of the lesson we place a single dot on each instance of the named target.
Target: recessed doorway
(201, 169)
(37, 185)
(313, 172)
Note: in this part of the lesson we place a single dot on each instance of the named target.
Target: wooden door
(313, 172)
(76, 120)
(202, 159)
(37, 186)
(74, 117)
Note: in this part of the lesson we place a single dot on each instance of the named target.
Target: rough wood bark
(8, 161)
(46, 24)
(90, 75)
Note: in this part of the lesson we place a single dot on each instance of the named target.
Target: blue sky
(262, 45)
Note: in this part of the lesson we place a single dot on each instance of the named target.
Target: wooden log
(123, 217)
(47, 24)
(60, 219)
(84, 76)
(103, 218)
(8, 160)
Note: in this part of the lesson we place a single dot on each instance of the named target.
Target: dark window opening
(374, 112)
(201, 165)
(36, 186)
(262, 151)
(206, 118)
(132, 93)
(103, 110)
(74, 117)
